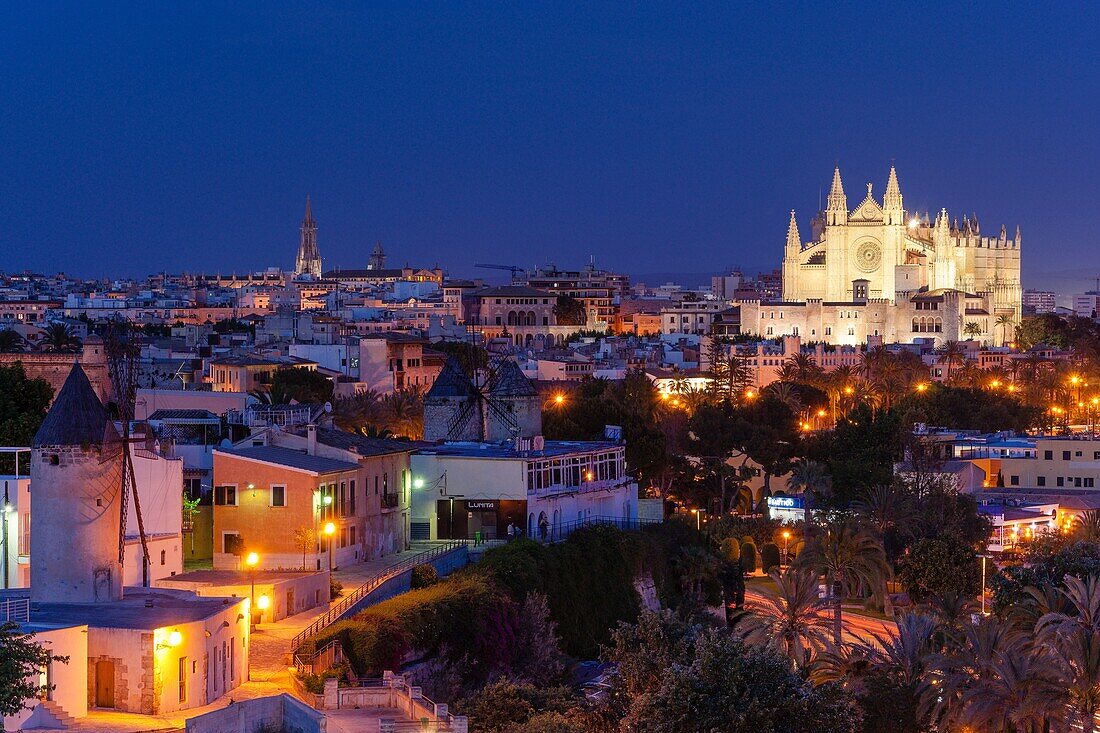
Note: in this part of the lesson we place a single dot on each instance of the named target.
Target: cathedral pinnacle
(794, 241)
(837, 199)
(892, 199)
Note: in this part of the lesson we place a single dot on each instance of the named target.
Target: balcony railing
(390, 501)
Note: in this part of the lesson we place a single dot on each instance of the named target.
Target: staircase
(48, 715)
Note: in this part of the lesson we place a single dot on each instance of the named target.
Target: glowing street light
(786, 539)
(559, 399)
(252, 560)
(418, 483)
(922, 387)
(329, 531)
(698, 520)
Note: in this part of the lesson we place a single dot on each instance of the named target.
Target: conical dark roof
(77, 416)
(510, 381)
(451, 382)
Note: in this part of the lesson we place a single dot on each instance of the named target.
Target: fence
(352, 599)
(15, 609)
(393, 692)
(560, 532)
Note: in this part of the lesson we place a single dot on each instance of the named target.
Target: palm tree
(59, 337)
(849, 556)
(788, 394)
(811, 479)
(1004, 321)
(792, 620)
(404, 413)
(1073, 641)
(1087, 526)
(1020, 692)
(10, 341)
(886, 507)
(952, 354)
(972, 329)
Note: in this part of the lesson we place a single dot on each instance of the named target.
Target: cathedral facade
(879, 257)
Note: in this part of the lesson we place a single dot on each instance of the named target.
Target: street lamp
(252, 560)
(984, 558)
(698, 520)
(786, 539)
(329, 530)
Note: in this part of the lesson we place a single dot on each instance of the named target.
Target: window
(162, 557)
(1048, 455)
(225, 495)
(1013, 480)
(351, 497)
(1041, 481)
(1089, 482)
(278, 495)
(1065, 455)
(1061, 481)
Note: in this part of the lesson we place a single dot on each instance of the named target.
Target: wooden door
(104, 684)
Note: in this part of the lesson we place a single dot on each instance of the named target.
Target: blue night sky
(669, 138)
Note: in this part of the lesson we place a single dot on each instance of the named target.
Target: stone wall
(278, 711)
(54, 368)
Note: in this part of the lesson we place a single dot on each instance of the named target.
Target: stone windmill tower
(76, 480)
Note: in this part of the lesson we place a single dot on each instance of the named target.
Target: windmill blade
(461, 419)
(502, 414)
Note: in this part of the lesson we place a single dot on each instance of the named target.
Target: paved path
(271, 641)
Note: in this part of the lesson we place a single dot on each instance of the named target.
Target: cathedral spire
(794, 241)
(308, 261)
(892, 201)
(838, 202)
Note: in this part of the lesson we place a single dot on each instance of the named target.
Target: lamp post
(786, 539)
(984, 558)
(252, 560)
(698, 520)
(330, 531)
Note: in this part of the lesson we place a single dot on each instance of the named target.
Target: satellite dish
(328, 407)
(226, 443)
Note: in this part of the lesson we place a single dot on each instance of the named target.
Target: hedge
(769, 557)
(748, 557)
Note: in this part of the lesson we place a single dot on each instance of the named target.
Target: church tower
(377, 258)
(309, 258)
(76, 477)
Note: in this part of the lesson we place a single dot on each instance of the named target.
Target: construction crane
(510, 268)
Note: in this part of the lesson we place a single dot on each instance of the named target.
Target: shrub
(335, 588)
(748, 557)
(769, 557)
(423, 576)
(731, 549)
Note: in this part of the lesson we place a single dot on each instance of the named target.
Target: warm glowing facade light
(330, 528)
(252, 559)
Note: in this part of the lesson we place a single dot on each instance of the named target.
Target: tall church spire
(892, 199)
(838, 202)
(308, 261)
(794, 241)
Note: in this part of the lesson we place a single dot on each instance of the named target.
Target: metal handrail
(15, 609)
(351, 599)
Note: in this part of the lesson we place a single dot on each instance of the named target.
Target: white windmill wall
(75, 518)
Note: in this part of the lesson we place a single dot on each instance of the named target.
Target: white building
(542, 489)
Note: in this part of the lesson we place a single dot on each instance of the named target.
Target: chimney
(311, 439)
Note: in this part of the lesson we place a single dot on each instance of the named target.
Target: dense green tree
(940, 565)
(23, 406)
(967, 408)
(717, 683)
(569, 311)
(859, 452)
(301, 385)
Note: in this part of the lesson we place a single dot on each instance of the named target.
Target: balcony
(390, 501)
